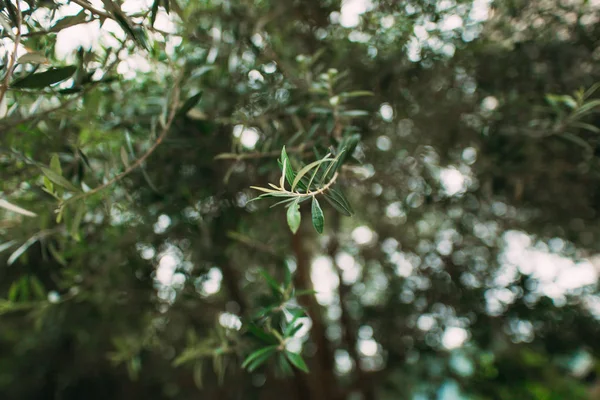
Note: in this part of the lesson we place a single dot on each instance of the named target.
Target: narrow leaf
(38, 288)
(46, 78)
(318, 219)
(32, 58)
(358, 93)
(265, 189)
(16, 209)
(307, 168)
(577, 140)
(6, 26)
(13, 292)
(124, 157)
(77, 220)
(56, 255)
(294, 216)
(284, 364)
(258, 353)
(59, 180)
(258, 361)
(154, 11)
(588, 127)
(305, 292)
(68, 21)
(190, 103)
(262, 335)
(297, 361)
(591, 90)
(7, 245)
(291, 329)
(270, 280)
(289, 171)
(138, 35)
(586, 108)
(55, 164)
(17, 253)
(354, 113)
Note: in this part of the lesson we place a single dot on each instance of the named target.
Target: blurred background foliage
(132, 264)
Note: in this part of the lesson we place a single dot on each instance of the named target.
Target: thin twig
(139, 161)
(308, 193)
(13, 57)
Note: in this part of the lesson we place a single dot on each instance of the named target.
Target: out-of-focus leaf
(586, 108)
(284, 365)
(37, 287)
(587, 127)
(198, 373)
(6, 26)
(55, 164)
(270, 280)
(32, 58)
(59, 180)
(154, 11)
(17, 253)
(292, 329)
(577, 140)
(56, 255)
(7, 245)
(357, 93)
(12, 12)
(260, 334)
(257, 358)
(124, 157)
(70, 20)
(189, 104)
(43, 79)
(16, 209)
(138, 34)
(591, 90)
(354, 113)
(297, 361)
(13, 291)
(79, 213)
(305, 292)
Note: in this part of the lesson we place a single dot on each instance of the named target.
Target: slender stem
(309, 193)
(13, 57)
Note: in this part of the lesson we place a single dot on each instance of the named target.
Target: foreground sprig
(310, 181)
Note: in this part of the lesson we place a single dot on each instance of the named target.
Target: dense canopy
(437, 165)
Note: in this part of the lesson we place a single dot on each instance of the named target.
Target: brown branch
(13, 57)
